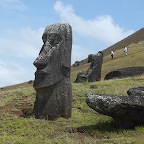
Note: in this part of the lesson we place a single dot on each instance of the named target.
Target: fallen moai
(126, 111)
(125, 72)
(52, 77)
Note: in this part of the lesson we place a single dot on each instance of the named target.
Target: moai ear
(66, 58)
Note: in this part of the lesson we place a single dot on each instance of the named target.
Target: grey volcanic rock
(52, 77)
(136, 91)
(91, 58)
(76, 64)
(127, 111)
(81, 76)
(125, 72)
(94, 72)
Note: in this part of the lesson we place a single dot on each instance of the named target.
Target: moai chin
(52, 77)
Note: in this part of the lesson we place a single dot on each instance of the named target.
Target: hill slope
(134, 38)
(135, 58)
(18, 125)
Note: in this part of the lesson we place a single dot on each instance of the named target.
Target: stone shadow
(103, 127)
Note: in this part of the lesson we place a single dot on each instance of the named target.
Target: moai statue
(52, 77)
(94, 72)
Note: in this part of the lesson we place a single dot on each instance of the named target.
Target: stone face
(125, 72)
(94, 72)
(127, 111)
(91, 58)
(52, 77)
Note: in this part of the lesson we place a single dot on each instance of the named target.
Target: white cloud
(27, 42)
(12, 73)
(20, 47)
(13, 4)
(101, 28)
(20, 43)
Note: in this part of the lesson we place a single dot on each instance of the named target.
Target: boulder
(81, 76)
(125, 72)
(94, 72)
(52, 77)
(76, 64)
(30, 81)
(126, 111)
(93, 87)
(136, 91)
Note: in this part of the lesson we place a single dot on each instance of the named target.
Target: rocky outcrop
(52, 77)
(94, 72)
(126, 111)
(125, 72)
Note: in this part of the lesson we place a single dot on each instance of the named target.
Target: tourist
(112, 54)
(125, 50)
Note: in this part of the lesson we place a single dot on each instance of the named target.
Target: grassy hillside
(136, 37)
(135, 57)
(18, 125)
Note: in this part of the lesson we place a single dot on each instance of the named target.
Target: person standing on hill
(125, 50)
(112, 54)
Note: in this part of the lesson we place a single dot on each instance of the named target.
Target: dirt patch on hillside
(21, 110)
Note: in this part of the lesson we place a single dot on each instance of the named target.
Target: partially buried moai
(52, 77)
(93, 73)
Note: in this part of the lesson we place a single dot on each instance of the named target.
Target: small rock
(93, 87)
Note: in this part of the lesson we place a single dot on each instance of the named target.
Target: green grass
(135, 57)
(85, 125)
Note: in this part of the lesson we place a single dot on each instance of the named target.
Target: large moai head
(97, 60)
(54, 60)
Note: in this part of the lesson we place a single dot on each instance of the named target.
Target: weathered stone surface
(136, 91)
(127, 111)
(125, 72)
(91, 58)
(94, 72)
(76, 64)
(52, 77)
(81, 76)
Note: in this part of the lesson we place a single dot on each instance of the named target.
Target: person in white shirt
(112, 54)
(125, 50)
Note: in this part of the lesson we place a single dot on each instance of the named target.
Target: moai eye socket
(54, 39)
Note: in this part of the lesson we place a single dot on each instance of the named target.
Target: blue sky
(96, 25)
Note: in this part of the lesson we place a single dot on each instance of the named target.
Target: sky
(96, 25)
